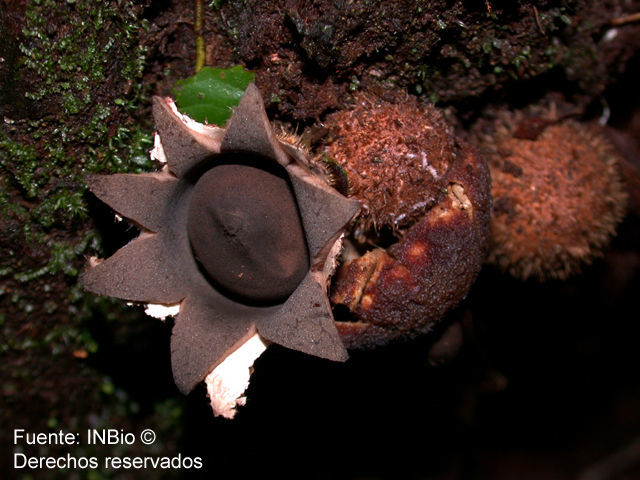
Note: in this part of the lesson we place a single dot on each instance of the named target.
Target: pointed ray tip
(305, 323)
(351, 206)
(251, 102)
(124, 275)
(249, 129)
(165, 107)
(159, 102)
(92, 179)
(252, 92)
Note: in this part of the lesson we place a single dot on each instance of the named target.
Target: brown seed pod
(412, 176)
(395, 156)
(557, 195)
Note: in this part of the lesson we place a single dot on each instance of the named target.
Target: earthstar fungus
(236, 230)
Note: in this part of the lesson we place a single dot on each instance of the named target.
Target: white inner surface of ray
(228, 381)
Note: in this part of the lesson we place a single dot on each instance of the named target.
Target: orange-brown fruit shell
(557, 197)
(396, 157)
(404, 290)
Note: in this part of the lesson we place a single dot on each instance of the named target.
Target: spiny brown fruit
(425, 192)
(557, 194)
(396, 157)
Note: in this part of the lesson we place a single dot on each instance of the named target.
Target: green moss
(72, 63)
(20, 161)
(81, 82)
(46, 161)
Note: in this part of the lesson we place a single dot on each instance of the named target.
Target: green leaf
(210, 94)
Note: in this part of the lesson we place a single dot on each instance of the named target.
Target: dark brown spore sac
(245, 230)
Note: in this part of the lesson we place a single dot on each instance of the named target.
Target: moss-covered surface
(72, 104)
(75, 82)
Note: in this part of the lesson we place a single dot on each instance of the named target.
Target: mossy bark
(72, 103)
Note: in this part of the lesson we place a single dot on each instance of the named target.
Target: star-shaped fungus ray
(141, 199)
(203, 335)
(186, 142)
(245, 238)
(138, 272)
(314, 332)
